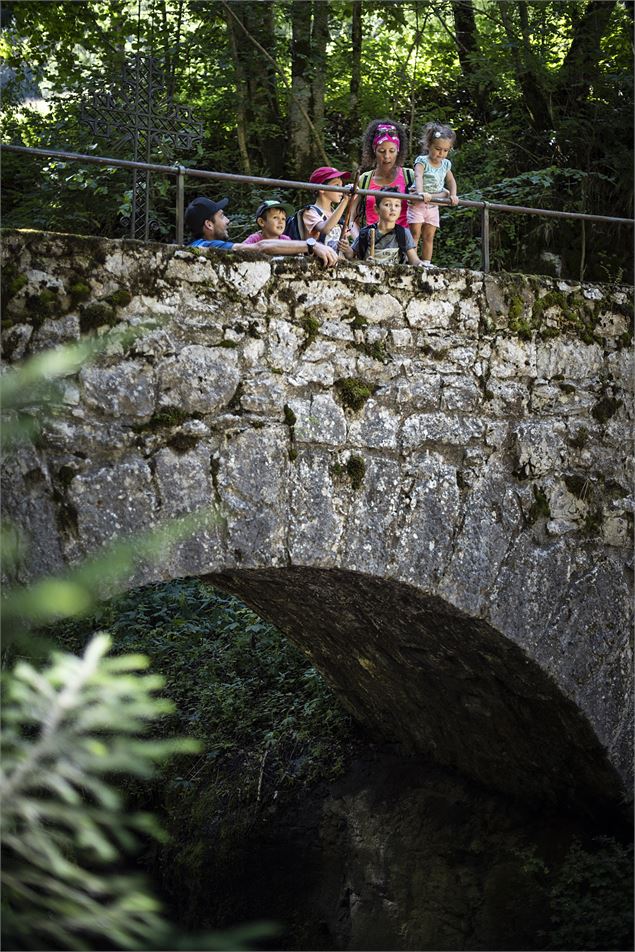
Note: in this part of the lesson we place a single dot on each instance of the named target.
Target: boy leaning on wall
(385, 242)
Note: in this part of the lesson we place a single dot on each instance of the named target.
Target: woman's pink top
(371, 214)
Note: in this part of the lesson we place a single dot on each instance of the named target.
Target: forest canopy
(539, 94)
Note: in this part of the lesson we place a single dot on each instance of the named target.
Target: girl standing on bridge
(384, 147)
(433, 179)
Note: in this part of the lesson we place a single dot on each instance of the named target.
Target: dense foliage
(539, 91)
(237, 684)
(67, 731)
(269, 728)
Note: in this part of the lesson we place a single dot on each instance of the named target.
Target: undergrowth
(236, 682)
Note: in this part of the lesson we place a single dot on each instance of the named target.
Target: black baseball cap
(200, 210)
(270, 203)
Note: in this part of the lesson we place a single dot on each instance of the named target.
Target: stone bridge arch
(420, 478)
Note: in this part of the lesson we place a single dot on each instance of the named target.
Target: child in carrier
(433, 179)
(271, 218)
(321, 220)
(385, 241)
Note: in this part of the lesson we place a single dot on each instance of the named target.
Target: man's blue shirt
(214, 243)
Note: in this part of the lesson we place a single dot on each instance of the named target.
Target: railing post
(180, 204)
(485, 237)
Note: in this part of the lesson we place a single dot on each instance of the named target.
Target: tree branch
(271, 60)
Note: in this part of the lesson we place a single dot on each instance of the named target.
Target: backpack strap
(363, 182)
(409, 177)
(321, 237)
(400, 233)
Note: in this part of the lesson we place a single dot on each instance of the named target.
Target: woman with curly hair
(383, 151)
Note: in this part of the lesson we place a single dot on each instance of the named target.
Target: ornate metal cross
(138, 115)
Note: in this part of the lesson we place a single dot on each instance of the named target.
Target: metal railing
(181, 171)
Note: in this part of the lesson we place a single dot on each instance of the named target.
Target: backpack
(294, 227)
(363, 241)
(364, 182)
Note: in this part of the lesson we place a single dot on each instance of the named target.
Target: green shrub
(592, 898)
(67, 729)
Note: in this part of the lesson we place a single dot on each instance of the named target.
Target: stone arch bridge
(421, 478)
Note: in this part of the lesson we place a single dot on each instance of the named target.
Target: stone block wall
(462, 434)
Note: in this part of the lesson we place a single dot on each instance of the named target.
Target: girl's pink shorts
(420, 212)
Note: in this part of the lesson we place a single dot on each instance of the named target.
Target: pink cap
(325, 173)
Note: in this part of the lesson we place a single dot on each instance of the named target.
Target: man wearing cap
(323, 218)
(207, 222)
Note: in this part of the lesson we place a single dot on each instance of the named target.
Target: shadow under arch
(415, 670)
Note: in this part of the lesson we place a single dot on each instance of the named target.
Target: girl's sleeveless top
(371, 214)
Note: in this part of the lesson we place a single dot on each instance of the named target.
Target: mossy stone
(16, 284)
(356, 469)
(354, 391)
(311, 326)
(166, 417)
(183, 442)
(79, 291)
(577, 485)
(540, 506)
(580, 440)
(119, 298)
(98, 314)
(605, 408)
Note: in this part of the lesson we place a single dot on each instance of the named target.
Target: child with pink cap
(322, 219)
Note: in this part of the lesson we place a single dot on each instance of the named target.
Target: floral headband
(383, 134)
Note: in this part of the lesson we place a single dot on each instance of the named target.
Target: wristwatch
(310, 245)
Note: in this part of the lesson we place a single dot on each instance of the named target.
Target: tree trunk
(469, 54)
(241, 97)
(259, 112)
(581, 62)
(535, 99)
(299, 133)
(309, 36)
(354, 124)
(319, 40)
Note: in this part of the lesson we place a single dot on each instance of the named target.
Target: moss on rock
(311, 327)
(605, 408)
(540, 506)
(97, 314)
(354, 391)
(356, 469)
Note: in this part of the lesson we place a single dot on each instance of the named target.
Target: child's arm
(450, 181)
(355, 210)
(324, 227)
(344, 246)
(418, 189)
